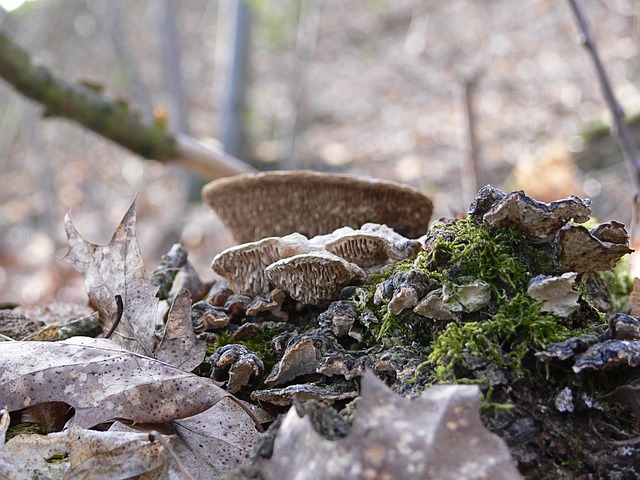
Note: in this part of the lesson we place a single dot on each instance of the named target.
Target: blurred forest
(445, 96)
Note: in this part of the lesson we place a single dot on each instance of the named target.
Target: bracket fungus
(270, 204)
(557, 293)
(243, 266)
(581, 250)
(239, 363)
(369, 246)
(313, 278)
(539, 221)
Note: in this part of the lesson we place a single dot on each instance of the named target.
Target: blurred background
(444, 96)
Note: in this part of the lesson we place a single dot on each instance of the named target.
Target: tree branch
(114, 120)
(619, 129)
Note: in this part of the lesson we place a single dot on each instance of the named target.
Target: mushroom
(337, 391)
(313, 278)
(556, 293)
(581, 250)
(539, 221)
(238, 362)
(435, 307)
(255, 206)
(371, 245)
(243, 266)
(301, 357)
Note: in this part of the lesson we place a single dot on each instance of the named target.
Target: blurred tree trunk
(234, 133)
(306, 41)
(178, 108)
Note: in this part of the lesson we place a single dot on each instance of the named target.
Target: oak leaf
(84, 454)
(179, 345)
(102, 381)
(117, 269)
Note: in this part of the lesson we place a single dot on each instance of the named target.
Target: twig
(619, 128)
(153, 436)
(119, 312)
(248, 411)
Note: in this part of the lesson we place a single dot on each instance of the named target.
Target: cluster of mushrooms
(314, 236)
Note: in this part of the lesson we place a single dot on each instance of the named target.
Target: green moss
(517, 327)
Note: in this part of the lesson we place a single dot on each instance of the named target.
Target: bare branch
(619, 130)
(114, 120)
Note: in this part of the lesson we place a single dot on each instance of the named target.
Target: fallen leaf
(216, 441)
(209, 444)
(117, 269)
(84, 454)
(101, 380)
(179, 345)
(5, 419)
(438, 435)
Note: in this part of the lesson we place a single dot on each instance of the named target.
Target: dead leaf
(101, 380)
(215, 442)
(84, 454)
(51, 416)
(117, 269)
(179, 346)
(210, 444)
(438, 435)
(5, 419)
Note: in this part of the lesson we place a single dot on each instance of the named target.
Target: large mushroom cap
(255, 206)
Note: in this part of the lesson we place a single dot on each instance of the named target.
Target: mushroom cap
(243, 265)
(255, 206)
(315, 277)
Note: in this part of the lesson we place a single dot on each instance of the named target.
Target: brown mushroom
(371, 245)
(255, 206)
(313, 278)
(243, 266)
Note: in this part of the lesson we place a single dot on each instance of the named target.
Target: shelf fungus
(343, 390)
(237, 363)
(537, 220)
(618, 346)
(205, 316)
(313, 278)
(556, 293)
(581, 250)
(370, 246)
(403, 290)
(302, 356)
(243, 266)
(448, 302)
(270, 204)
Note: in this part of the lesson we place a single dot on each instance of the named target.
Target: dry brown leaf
(210, 444)
(179, 346)
(84, 454)
(101, 380)
(438, 435)
(5, 419)
(215, 442)
(117, 269)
